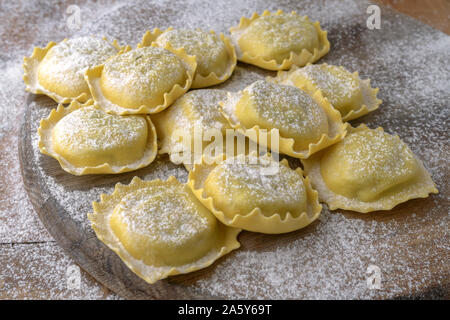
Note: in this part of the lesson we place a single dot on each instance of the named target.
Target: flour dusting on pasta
(330, 258)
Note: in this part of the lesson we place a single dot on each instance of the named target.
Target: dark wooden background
(27, 264)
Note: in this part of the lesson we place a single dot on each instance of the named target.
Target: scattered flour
(406, 60)
(25, 274)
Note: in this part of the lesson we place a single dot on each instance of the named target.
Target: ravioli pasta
(58, 69)
(215, 55)
(158, 228)
(163, 228)
(367, 171)
(141, 81)
(192, 116)
(86, 140)
(306, 124)
(276, 41)
(349, 94)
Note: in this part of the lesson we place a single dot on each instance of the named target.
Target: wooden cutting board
(408, 247)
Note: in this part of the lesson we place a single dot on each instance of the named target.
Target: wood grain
(98, 261)
(106, 267)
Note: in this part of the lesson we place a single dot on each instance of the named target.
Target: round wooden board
(329, 258)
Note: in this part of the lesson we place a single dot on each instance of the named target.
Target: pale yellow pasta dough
(196, 112)
(368, 170)
(210, 51)
(347, 93)
(90, 137)
(292, 111)
(159, 228)
(276, 41)
(256, 193)
(276, 36)
(141, 77)
(215, 54)
(58, 70)
(238, 188)
(341, 87)
(163, 225)
(145, 80)
(306, 123)
(367, 164)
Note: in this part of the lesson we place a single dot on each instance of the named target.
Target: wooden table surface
(436, 13)
(32, 265)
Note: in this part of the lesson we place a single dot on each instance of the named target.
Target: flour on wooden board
(412, 72)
